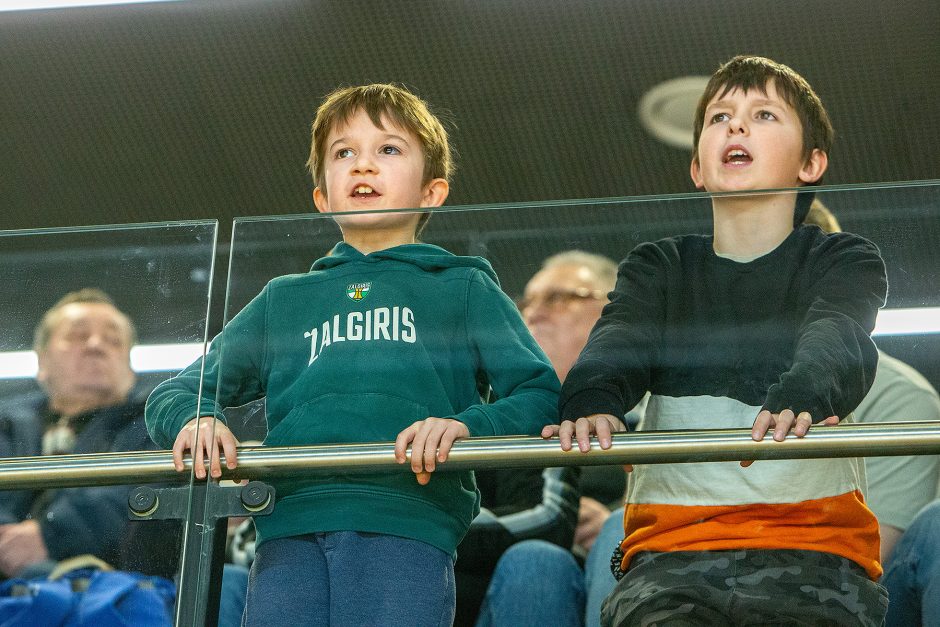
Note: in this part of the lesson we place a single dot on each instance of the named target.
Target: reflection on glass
(83, 307)
(518, 238)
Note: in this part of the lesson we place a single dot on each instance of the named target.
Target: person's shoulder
(681, 244)
(820, 243)
(22, 407)
(435, 259)
(895, 372)
(295, 279)
(126, 412)
(431, 262)
(125, 423)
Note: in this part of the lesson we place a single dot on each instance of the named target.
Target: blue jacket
(73, 520)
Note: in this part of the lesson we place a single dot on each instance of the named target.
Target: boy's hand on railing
(603, 425)
(782, 424)
(205, 437)
(431, 441)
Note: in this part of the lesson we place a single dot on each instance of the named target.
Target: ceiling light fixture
(26, 5)
(666, 111)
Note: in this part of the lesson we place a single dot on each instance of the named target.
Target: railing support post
(204, 508)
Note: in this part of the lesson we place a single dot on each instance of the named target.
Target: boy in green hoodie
(384, 338)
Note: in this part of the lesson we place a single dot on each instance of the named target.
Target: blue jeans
(232, 599)
(348, 578)
(535, 583)
(913, 575)
(598, 580)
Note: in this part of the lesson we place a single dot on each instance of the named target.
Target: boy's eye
(342, 153)
(766, 115)
(720, 117)
(389, 150)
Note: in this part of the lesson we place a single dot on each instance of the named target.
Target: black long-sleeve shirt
(714, 341)
(790, 329)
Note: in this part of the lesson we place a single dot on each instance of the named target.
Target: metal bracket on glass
(204, 508)
(256, 498)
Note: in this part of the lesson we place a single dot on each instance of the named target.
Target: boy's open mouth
(364, 191)
(737, 154)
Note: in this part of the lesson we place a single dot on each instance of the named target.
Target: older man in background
(83, 347)
(562, 303)
(531, 517)
(89, 404)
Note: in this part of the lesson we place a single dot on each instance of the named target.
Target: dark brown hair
(749, 72)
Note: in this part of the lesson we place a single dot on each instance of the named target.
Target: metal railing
(204, 538)
(649, 447)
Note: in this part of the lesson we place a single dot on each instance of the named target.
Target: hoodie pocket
(344, 418)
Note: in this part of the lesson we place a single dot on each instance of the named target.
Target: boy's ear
(320, 201)
(814, 167)
(435, 193)
(695, 170)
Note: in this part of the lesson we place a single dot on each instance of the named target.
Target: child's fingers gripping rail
(602, 425)
(431, 441)
(205, 437)
(782, 424)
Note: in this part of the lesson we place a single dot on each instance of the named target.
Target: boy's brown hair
(397, 103)
(750, 72)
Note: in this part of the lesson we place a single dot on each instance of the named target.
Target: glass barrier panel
(297, 368)
(902, 221)
(94, 318)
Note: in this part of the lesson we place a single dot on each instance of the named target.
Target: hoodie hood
(427, 257)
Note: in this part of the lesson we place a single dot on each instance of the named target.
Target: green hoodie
(356, 350)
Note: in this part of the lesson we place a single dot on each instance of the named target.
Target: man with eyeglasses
(532, 517)
(563, 301)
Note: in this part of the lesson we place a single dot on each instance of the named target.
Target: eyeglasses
(559, 298)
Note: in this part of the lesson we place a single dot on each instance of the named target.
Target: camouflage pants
(744, 587)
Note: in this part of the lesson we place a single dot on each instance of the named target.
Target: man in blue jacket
(86, 406)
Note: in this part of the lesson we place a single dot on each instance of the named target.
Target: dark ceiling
(201, 108)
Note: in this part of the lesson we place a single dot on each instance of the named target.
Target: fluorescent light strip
(18, 364)
(169, 357)
(915, 320)
(26, 5)
(144, 358)
(163, 357)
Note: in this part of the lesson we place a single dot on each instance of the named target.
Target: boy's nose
(363, 163)
(737, 125)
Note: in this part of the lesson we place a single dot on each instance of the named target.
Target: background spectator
(517, 552)
(898, 486)
(87, 405)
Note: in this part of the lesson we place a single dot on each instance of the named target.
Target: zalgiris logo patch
(358, 291)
